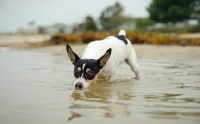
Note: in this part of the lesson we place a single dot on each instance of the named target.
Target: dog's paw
(136, 78)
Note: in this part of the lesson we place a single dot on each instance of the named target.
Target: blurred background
(36, 76)
(146, 22)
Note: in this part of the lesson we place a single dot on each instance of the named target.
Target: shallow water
(38, 88)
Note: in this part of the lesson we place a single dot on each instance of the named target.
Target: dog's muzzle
(79, 85)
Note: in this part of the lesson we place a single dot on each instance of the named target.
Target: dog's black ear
(104, 59)
(73, 56)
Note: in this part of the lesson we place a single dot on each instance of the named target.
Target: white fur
(122, 32)
(120, 53)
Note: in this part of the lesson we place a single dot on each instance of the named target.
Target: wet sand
(160, 52)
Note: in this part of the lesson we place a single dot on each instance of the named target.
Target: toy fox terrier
(101, 59)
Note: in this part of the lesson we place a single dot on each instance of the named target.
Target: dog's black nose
(78, 85)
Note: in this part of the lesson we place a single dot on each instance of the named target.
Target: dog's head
(86, 70)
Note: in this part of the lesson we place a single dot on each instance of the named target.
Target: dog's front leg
(113, 77)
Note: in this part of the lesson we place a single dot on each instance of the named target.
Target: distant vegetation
(168, 19)
(174, 11)
(134, 37)
(171, 15)
(112, 17)
(165, 16)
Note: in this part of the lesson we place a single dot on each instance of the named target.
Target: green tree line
(167, 12)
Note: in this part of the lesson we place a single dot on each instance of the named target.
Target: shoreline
(160, 52)
(147, 51)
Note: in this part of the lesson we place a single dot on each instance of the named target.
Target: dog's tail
(122, 32)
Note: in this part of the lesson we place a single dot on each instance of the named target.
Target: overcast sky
(16, 14)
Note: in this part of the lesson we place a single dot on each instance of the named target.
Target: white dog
(102, 58)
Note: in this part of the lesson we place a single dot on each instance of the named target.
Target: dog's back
(121, 50)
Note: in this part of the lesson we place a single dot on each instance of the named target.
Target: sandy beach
(185, 53)
(171, 52)
(166, 52)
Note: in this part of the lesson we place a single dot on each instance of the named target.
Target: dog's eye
(90, 76)
(76, 74)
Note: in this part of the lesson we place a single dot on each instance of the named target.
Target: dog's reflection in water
(104, 99)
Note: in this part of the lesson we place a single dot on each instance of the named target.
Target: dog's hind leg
(132, 62)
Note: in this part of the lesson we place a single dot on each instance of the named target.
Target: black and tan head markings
(90, 75)
(76, 73)
(78, 69)
(86, 68)
(89, 68)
